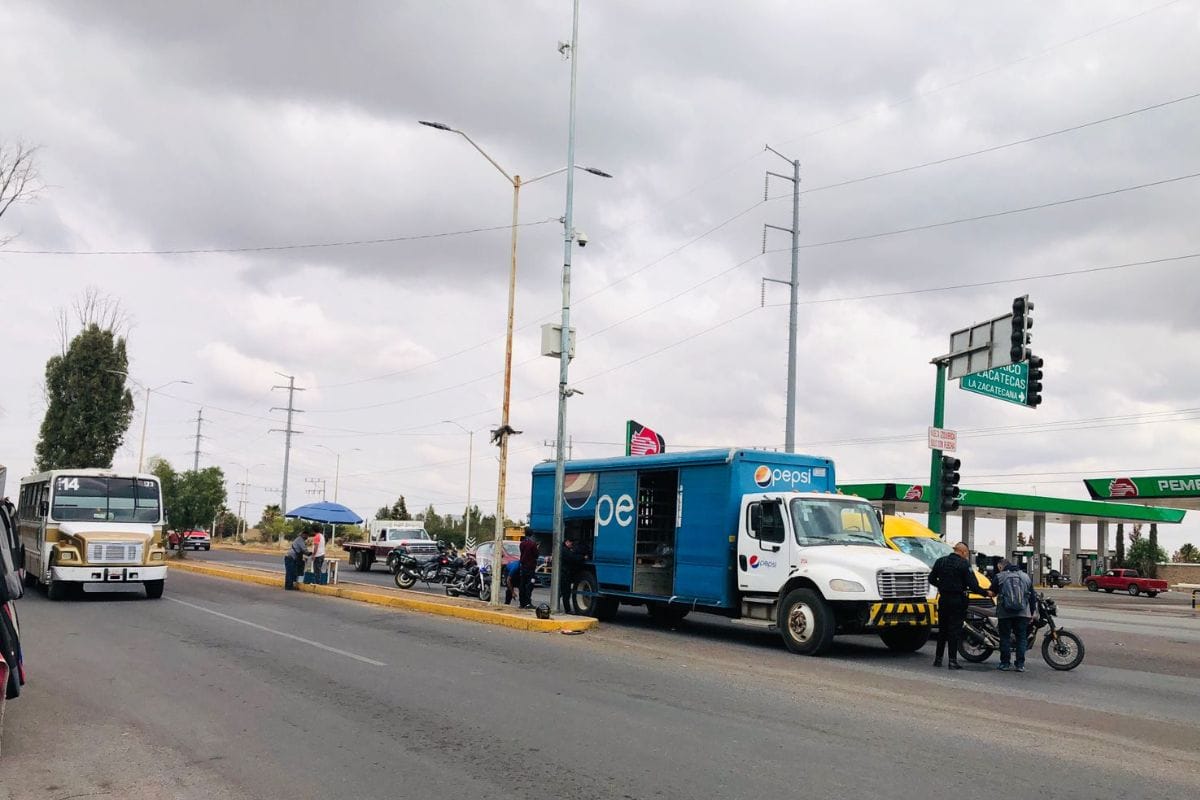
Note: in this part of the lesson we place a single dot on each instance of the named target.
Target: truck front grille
(421, 549)
(898, 585)
(114, 552)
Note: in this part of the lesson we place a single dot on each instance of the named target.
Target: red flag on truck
(641, 441)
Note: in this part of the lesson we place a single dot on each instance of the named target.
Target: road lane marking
(300, 639)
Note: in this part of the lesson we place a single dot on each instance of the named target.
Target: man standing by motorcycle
(529, 559)
(1016, 605)
(953, 577)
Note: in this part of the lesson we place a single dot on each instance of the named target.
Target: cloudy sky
(245, 130)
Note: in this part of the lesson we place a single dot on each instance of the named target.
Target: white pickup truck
(384, 538)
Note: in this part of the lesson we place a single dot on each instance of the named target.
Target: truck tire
(1109, 590)
(805, 622)
(1092, 586)
(154, 589)
(1151, 594)
(907, 639)
(588, 601)
(360, 561)
(58, 590)
(666, 613)
(1133, 590)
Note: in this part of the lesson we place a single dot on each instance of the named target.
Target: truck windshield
(397, 535)
(832, 521)
(84, 497)
(923, 548)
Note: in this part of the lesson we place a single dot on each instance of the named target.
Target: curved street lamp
(501, 434)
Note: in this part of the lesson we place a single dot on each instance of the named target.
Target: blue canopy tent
(328, 513)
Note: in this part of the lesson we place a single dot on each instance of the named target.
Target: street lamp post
(467, 541)
(145, 408)
(501, 434)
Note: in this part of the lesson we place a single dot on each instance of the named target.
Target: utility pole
(291, 409)
(243, 486)
(315, 490)
(789, 438)
(196, 455)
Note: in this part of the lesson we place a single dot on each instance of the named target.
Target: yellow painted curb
(395, 599)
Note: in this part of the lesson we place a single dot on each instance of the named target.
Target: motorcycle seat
(982, 611)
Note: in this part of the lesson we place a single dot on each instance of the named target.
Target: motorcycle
(473, 581)
(1061, 649)
(408, 569)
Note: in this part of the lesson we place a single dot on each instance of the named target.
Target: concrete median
(400, 599)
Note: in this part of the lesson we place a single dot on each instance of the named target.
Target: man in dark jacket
(572, 560)
(953, 577)
(529, 559)
(293, 562)
(1014, 610)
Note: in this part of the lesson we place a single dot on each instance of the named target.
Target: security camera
(582, 238)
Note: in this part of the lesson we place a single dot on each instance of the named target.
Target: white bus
(80, 526)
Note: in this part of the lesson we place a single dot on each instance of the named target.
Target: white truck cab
(814, 564)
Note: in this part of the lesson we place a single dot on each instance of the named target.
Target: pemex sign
(1151, 487)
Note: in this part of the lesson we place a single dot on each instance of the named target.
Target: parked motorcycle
(408, 569)
(473, 581)
(1061, 649)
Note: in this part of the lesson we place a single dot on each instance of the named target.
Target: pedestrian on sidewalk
(512, 580)
(572, 561)
(953, 577)
(293, 562)
(318, 552)
(1016, 603)
(529, 559)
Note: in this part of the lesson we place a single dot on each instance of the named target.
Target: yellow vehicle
(911, 537)
(80, 526)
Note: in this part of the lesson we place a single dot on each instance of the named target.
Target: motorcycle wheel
(974, 649)
(485, 590)
(1066, 653)
(405, 579)
(451, 591)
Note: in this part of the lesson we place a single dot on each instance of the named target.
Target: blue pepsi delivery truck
(760, 537)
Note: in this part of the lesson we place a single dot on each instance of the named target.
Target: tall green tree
(1145, 557)
(1187, 554)
(1120, 545)
(398, 510)
(89, 407)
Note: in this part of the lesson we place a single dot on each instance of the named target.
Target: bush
(1145, 557)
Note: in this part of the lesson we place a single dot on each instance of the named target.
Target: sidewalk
(398, 598)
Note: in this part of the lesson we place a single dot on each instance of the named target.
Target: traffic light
(949, 494)
(1033, 386)
(1022, 321)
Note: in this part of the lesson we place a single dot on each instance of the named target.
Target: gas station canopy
(1175, 491)
(914, 498)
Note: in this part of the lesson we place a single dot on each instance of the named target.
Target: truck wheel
(584, 594)
(154, 589)
(667, 614)
(360, 561)
(58, 590)
(1092, 587)
(905, 640)
(806, 622)
(1151, 594)
(1133, 590)
(1109, 591)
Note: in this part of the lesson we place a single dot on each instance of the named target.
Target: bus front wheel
(154, 589)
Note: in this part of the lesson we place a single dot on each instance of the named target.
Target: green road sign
(1003, 383)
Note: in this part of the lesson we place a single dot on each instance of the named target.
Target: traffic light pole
(933, 495)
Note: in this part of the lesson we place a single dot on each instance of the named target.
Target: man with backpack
(1015, 607)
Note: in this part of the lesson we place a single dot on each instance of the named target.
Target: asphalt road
(230, 690)
(376, 576)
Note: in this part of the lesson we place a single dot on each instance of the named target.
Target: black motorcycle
(1061, 649)
(473, 580)
(408, 569)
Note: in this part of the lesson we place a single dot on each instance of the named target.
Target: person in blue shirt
(512, 576)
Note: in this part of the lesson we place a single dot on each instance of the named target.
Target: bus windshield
(832, 521)
(924, 548)
(87, 497)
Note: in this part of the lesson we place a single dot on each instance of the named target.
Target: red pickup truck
(1125, 580)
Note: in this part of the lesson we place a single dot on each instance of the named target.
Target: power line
(993, 149)
(996, 282)
(994, 214)
(277, 247)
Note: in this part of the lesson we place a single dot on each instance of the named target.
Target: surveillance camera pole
(556, 575)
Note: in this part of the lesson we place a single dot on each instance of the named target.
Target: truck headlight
(66, 555)
(839, 585)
